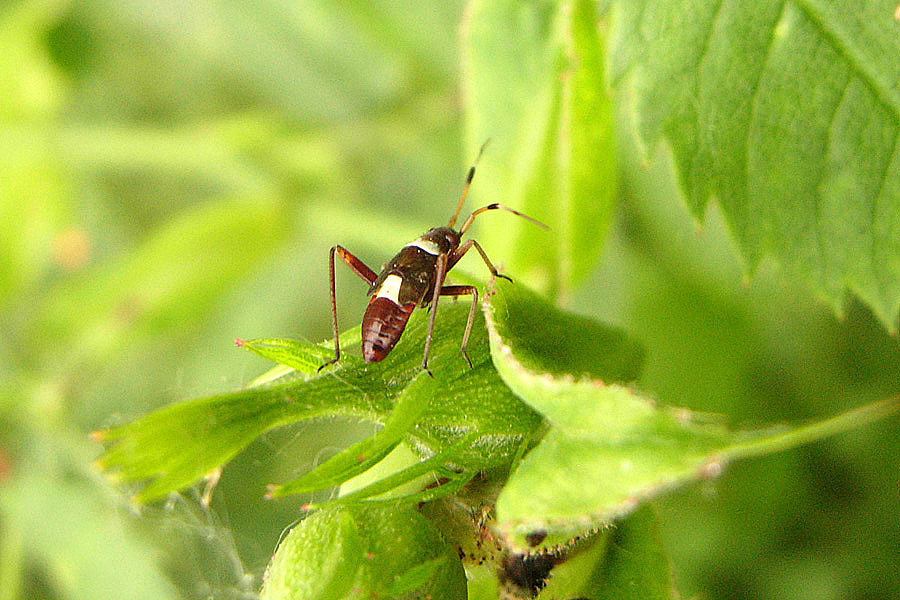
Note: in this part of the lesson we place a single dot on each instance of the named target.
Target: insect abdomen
(382, 326)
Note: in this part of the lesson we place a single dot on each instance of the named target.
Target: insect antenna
(467, 184)
(495, 206)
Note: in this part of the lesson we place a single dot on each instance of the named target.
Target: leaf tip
(238, 342)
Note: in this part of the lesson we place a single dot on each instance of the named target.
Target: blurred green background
(172, 176)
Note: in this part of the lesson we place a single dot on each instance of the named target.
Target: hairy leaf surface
(610, 446)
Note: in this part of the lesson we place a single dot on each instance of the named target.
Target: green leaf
(435, 465)
(213, 430)
(414, 578)
(363, 455)
(457, 405)
(788, 114)
(636, 566)
(573, 484)
(610, 446)
(537, 346)
(535, 86)
(301, 356)
(364, 551)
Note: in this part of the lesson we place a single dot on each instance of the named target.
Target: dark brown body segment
(415, 267)
(382, 326)
(385, 320)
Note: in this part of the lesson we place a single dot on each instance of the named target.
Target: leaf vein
(754, 104)
(875, 212)
(822, 174)
(857, 64)
(702, 139)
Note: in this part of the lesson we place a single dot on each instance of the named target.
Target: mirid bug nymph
(414, 277)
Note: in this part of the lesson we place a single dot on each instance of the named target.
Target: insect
(414, 277)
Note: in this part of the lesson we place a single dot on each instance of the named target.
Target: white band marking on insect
(426, 245)
(390, 288)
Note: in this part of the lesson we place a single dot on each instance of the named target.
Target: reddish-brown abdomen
(382, 326)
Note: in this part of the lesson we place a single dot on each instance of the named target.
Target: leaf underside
(788, 113)
(610, 447)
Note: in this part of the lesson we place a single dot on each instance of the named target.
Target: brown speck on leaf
(534, 538)
(72, 248)
(5, 467)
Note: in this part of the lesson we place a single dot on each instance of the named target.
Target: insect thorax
(410, 276)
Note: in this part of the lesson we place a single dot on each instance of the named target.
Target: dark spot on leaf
(536, 537)
(529, 571)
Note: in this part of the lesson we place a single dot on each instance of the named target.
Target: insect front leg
(460, 252)
(460, 290)
(358, 267)
(440, 272)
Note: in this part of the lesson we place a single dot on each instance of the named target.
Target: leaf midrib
(857, 66)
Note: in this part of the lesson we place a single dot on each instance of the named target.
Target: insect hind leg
(358, 267)
(462, 290)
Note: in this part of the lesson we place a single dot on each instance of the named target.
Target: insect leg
(495, 206)
(460, 290)
(358, 267)
(458, 254)
(440, 272)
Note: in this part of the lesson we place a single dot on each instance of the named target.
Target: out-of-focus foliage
(535, 80)
(787, 112)
(173, 174)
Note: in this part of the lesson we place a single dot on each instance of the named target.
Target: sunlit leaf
(301, 356)
(450, 481)
(361, 456)
(457, 403)
(788, 114)
(610, 447)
